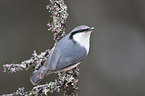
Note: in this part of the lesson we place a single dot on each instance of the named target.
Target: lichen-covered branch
(67, 81)
(36, 60)
(58, 9)
(59, 13)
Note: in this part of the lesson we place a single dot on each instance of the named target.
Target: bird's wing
(73, 57)
(63, 56)
(52, 60)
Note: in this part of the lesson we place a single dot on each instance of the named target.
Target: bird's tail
(38, 75)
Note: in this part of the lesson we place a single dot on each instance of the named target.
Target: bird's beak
(91, 28)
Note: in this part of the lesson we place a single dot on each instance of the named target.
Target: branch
(36, 60)
(58, 9)
(59, 13)
(67, 82)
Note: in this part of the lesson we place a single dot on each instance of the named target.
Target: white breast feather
(83, 39)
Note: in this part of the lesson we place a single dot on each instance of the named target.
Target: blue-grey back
(66, 53)
(71, 52)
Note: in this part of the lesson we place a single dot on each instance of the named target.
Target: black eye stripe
(78, 31)
(81, 30)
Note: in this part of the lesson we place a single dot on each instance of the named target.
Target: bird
(67, 54)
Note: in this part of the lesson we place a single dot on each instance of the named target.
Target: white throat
(83, 39)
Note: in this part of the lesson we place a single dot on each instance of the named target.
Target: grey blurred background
(116, 63)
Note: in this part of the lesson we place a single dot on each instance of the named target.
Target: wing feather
(53, 59)
(65, 54)
(73, 56)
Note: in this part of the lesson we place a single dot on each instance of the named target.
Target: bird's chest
(83, 43)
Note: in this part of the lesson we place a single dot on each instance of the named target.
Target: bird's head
(81, 31)
(81, 35)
